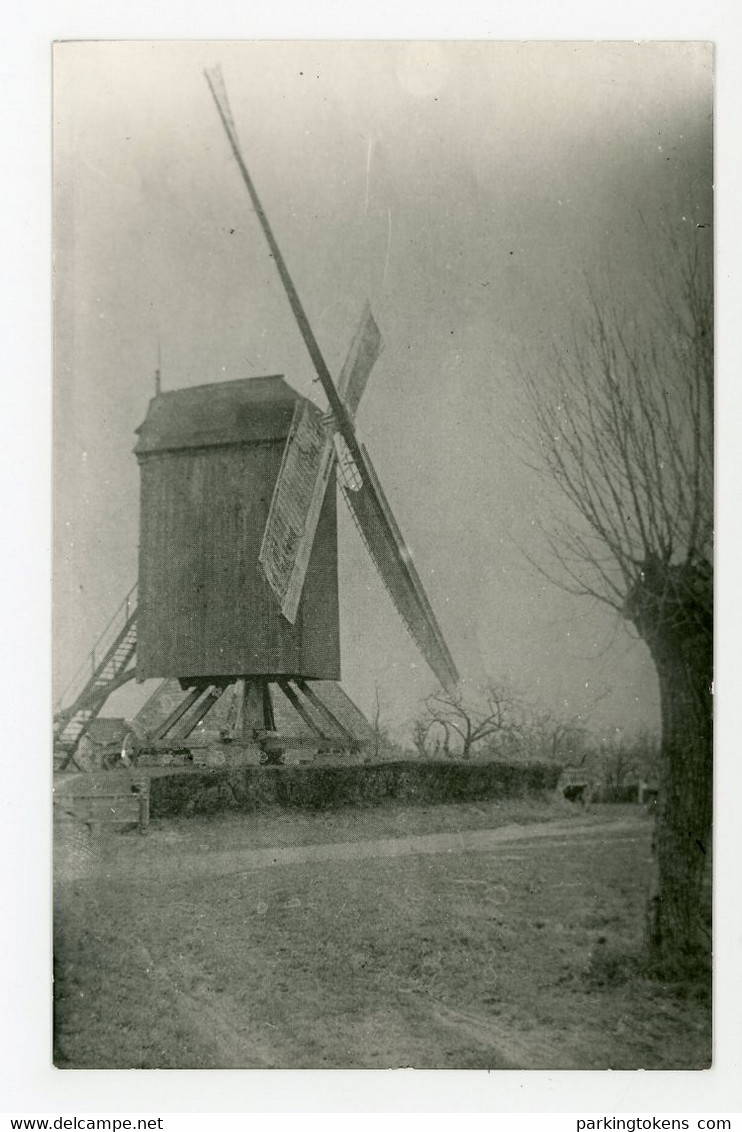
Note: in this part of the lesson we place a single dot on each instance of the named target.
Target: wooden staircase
(108, 667)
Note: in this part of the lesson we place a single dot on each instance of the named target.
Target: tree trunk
(678, 630)
(680, 910)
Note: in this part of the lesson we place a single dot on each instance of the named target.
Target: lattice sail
(383, 539)
(364, 350)
(295, 508)
(305, 470)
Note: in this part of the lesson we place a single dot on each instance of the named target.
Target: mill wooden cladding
(209, 459)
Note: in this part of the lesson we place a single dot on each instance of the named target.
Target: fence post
(144, 807)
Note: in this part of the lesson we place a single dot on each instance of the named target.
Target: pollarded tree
(624, 429)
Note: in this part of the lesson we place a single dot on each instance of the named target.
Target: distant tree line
(497, 722)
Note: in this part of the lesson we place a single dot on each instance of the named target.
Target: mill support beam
(299, 708)
(324, 710)
(169, 723)
(201, 708)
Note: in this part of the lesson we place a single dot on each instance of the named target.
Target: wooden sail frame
(369, 507)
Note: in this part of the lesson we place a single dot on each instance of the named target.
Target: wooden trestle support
(251, 724)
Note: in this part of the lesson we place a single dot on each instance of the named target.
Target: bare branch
(623, 428)
(494, 711)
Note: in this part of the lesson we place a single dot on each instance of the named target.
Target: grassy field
(509, 958)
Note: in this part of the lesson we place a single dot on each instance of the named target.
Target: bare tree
(465, 720)
(380, 732)
(563, 738)
(618, 763)
(622, 760)
(624, 429)
(420, 729)
(647, 749)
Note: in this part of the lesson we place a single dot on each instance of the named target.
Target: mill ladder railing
(106, 668)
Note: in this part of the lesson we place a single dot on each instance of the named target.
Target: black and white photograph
(383, 582)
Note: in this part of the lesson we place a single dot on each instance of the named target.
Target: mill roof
(226, 412)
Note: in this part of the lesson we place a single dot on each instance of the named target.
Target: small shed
(103, 739)
(209, 459)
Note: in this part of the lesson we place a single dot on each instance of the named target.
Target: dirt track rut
(79, 857)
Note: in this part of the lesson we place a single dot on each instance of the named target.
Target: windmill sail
(305, 470)
(295, 508)
(364, 350)
(378, 529)
(289, 532)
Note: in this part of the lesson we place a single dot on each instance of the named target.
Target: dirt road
(81, 856)
(259, 941)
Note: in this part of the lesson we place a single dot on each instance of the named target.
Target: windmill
(237, 580)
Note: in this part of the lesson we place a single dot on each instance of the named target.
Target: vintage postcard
(383, 576)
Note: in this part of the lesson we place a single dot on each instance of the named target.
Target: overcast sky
(465, 190)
